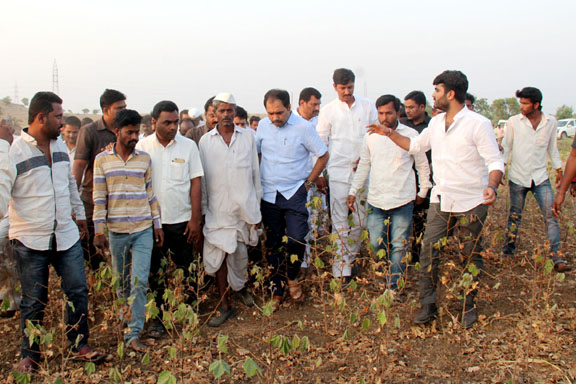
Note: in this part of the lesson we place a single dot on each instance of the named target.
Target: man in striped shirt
(125, 203)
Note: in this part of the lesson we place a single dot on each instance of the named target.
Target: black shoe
(246, 297)
(470, 318)
(220, 317)
(156, 329)
(427, 313)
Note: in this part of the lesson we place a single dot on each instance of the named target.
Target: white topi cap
(194, 113)
(225, 98)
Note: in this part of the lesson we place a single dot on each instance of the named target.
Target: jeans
(285, 218)
(439, 225)
(390, 231)
(544, 196)
(33, 271)
(133, 268)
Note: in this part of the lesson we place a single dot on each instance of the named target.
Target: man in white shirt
(391, 190)
(176, 182)
(342, 125)
(44, 199)
(231, 202)
(467, 170)
(529, 140)
(70, 135)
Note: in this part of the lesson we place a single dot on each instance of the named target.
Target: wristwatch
(309, 183)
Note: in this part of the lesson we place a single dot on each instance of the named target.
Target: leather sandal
(295, 290)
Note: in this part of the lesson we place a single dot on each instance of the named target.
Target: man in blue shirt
(285, 142)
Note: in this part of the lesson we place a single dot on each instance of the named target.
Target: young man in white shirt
(342, 126)
(44, 198)
(176, 182)
(391, 189)
(529, 140)
(468, 167)
(231, 202)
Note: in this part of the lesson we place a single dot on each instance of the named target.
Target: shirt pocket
(178, 171)
(542, 138)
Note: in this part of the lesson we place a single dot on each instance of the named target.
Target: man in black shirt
(417, 118)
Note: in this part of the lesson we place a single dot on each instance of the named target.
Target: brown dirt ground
(525, 333)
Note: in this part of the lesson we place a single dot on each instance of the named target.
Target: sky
(187, 51)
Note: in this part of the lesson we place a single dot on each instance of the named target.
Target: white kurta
(231, 201)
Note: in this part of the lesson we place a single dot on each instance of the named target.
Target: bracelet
(494, 189)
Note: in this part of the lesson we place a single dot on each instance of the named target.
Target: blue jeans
(131, 253)
(390, 231)
(544, 196)
(33, 271)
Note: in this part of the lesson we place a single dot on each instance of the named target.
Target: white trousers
(348, 235)
(237, 263)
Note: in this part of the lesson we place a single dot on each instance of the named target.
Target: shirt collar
(214, 131)
(543, 121)
(101, 125)
(172, 142)
(29, 138)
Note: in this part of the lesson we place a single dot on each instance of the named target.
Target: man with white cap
(231, 203)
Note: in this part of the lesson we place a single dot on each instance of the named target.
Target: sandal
(26, 365)
(87, 354)
(295, 290)
(276, 301)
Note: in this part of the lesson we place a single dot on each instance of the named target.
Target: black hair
(531, 93)
(187, 120)
(278, 94)
(86, 120)
(387, 99)
(42, 103)
(147, 119)
(163, 106)
(208, 104)
(417, 96)
(127, 117)
(109, 97)
(73, 120)
(254, 118)
(241, 112)
(453, 81)
(343, 76)
(182, 112)
(307, 93)
(470, 97)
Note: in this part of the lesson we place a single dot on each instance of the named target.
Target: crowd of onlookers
(188, 186)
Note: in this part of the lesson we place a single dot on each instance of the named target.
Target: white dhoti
(349, 231)
(232, 242)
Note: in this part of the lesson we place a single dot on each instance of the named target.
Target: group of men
(206, 189)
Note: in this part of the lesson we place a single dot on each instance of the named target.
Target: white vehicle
(566, 128)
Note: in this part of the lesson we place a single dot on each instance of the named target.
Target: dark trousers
(91, 254)
(438, 226)
(285, 218)
(175, 248)
(418, 224)
(33, 271)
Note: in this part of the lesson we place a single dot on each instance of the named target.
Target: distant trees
(502, 109)
(564, 112)
(25, 101)
(85, 111)
(7, 100)
(95, 111)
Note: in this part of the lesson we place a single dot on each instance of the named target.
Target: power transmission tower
(55, 85)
